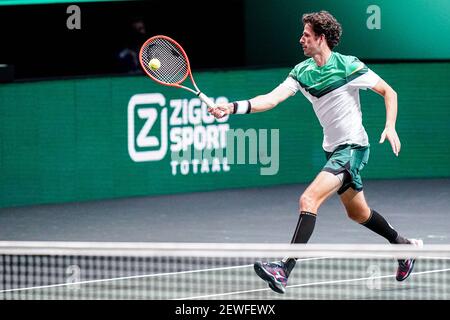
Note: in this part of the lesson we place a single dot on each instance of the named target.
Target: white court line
(123, 278)
(308, 284)
(139, 276)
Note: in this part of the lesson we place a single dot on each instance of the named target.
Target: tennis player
(331, 82)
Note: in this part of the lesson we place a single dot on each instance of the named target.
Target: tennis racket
(174, 65)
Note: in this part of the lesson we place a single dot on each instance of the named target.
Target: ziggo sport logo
(189, 129)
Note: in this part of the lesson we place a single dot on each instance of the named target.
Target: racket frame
(177, 84)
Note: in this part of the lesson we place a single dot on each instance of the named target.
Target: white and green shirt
(333, 90)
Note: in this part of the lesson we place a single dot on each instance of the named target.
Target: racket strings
(174, 66)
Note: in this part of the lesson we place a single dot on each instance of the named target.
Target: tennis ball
(154, 64)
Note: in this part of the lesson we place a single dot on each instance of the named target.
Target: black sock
(379, 225)
(289, 264)
(303, 232)
(305, 227)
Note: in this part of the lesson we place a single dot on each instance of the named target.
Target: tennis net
(162, 271)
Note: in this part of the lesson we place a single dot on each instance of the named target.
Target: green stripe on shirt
(337, 71)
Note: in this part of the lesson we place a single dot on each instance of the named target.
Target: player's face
(309, 41)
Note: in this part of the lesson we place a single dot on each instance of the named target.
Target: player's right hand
(221, 110)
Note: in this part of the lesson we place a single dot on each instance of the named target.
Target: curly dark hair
(323, 22)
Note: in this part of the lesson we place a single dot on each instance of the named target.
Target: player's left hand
(392, 136)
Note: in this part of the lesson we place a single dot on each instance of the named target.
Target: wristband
(242, 107)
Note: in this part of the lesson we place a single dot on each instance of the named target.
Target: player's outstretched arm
(390, 100)
(257, 104)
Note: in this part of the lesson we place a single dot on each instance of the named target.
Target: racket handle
(206, 100)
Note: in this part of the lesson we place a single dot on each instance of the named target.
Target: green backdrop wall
(73, 140)
(382, 29)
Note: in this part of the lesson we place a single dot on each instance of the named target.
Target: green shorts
(349, 159)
